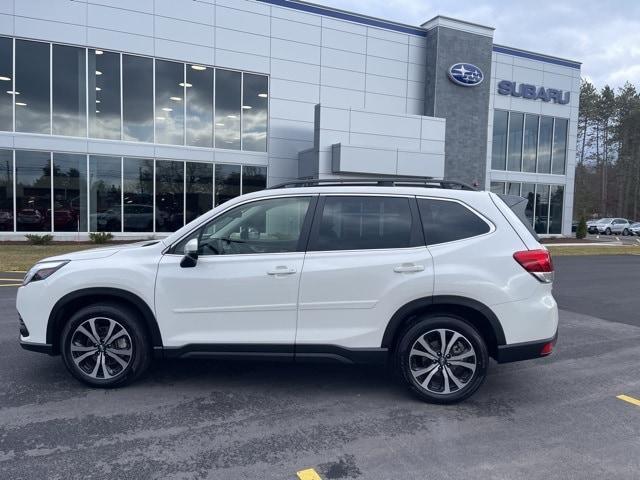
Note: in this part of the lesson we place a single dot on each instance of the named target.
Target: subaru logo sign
(466, 74)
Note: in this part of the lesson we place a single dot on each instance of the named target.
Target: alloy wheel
(101, 348)
(442, 361)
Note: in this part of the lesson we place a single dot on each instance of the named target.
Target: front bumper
(525, 351)
(37, 347)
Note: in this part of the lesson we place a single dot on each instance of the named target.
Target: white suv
(429, 275)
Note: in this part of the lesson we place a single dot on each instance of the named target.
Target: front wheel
(607, 231)
(625, 232)
(442, 359)
(105, 345)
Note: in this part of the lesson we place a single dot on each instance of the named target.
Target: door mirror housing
(190, 258)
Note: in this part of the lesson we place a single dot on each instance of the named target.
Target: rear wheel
(105, 345)
(625, 232)
(442, 359)
(607, 231)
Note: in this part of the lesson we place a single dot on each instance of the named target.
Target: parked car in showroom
(608, 226)
(429, 276)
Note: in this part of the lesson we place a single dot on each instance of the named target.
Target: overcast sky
(603, 35)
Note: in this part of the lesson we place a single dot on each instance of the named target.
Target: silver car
(613, 225)
(635, 228)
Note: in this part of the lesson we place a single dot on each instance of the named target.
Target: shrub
(100, 237)
(35, 239)
(581, 231)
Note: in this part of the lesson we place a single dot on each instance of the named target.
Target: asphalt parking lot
(551, 418)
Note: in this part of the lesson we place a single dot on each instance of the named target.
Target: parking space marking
(308, 474)
(631, 400)
(11, 285)
(8, 279)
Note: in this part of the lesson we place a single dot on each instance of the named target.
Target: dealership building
(135, 117)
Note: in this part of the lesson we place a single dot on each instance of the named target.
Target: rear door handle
(281, 270)
(408, 268)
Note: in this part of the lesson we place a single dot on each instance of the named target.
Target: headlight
(43, 270)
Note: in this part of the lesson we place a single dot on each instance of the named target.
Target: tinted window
(359, 223)
(6, 190)
(137, 192)
(254, 112)
(104, 94)
(227, 182)
(265, 226)
(32, 87)
(33, 191)
(6, 83)
(445, 221)
(199, 93)
(514, 160)
(69, 90)
(228, 99)
(169, 102)
(169, 195)
(253, 179)
(69, 192)
(105, 189)
(499, 149)
(137, 98)
(199, 183)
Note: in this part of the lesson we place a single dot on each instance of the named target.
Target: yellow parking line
(631, 400)
(9, 279)
(11, 285)
(16, 271)
(309, 474)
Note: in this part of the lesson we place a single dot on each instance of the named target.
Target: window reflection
(499, 149)
(6, 83)
(69, 91)
(514, 160)
(137, 98)
(170, 87)
(497, 187)
(137, 194)
(544, 146)
(104, 94)
(228, 97)
(530, 143)
(105, 194)
(32, 87)
(227, 183)
(253, 179)
(199, 180)
(254, 112)
(69, 192)
(199, 94)
(6, 190)
(529, 192)
(555, 209)
(560, 146)
(169, 195)
(542, 209)
(33, 191)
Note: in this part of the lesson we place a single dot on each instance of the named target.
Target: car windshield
(604, 220)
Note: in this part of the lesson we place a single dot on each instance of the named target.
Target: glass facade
(129, 97)
(68, 192)
(544, 203)
(529, 143)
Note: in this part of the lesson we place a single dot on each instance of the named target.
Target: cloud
(604, 36)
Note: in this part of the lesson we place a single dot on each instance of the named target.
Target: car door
(243, 289)
(618, 225)
(366, 258)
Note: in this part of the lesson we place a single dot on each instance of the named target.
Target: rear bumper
(524, 351)
(37, 347)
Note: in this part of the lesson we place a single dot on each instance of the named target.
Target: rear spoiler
(518, 205)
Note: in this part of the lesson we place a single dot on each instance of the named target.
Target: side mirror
(190, 258)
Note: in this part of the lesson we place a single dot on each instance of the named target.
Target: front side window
(362, 223)
(265, 226)
(445, 221)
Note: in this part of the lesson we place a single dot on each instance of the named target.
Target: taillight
(537, 262)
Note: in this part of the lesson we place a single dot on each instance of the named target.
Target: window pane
(105, 190)
(169, 195)
(513, 188)
(528, 192)
(33, 191)
(199, 189)
(227, 183)
(6, 190)
(265, 226)
(104, 94)
(555, 212)
(199, 106)
(530, 143)
(542, 208)
(253, 179)
(445, 221)
(497, 187)
(499, 148)
(137, 98)
(254, 112)
(357, 223)
(228, 109)
(69, 192)
(6, 83)
(169, 102)
(69, 94)
(137, 194)
(544, 147)
(560, 146)
(32, 87)
(515, 142)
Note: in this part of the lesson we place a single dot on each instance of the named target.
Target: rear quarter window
(446, 221)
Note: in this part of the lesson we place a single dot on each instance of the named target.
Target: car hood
(102, 252)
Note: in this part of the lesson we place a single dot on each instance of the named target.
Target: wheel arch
(88, 296)
(478, 314)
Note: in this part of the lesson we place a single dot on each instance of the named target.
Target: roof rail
(426, 182)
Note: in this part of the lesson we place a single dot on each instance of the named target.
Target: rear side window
(445, 221)
(361, 223)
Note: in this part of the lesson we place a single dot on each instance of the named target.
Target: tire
(469, 347)
(625, 232)
(607, 231)
(100, 363)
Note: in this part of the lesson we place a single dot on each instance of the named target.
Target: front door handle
(282, 270)
(408, 268)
